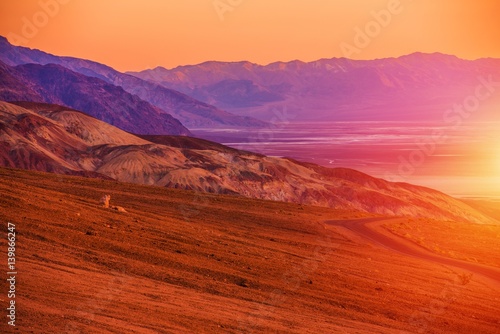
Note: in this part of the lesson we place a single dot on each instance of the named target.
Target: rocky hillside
(51, 138)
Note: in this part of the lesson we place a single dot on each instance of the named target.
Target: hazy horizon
(328, 166)
(130, 35)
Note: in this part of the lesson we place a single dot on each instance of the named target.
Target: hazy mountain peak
(334, 86)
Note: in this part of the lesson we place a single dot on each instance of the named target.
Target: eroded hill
(50, 138)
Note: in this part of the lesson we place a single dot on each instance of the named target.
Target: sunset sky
(139, 34)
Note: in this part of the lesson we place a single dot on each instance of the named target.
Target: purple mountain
(414, 87)
(191, 112)
(56, 84)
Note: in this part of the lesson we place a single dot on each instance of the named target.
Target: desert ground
(185, 262)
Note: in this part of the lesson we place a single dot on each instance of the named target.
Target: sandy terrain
(369, 228)
(185, 262)
(468, 242)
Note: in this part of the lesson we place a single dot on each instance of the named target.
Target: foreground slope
(185, 262)
(49, 138)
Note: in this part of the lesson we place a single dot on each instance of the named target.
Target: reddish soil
(184, 262)
(369, 228)
(469, 242)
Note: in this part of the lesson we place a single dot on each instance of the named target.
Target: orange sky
(139, 34)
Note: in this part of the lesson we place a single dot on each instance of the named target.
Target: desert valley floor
(185, 262)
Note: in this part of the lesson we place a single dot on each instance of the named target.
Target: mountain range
(56, 84)
(53, 138)
(418, 86)
(188, 110)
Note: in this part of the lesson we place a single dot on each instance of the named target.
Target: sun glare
(497, 163)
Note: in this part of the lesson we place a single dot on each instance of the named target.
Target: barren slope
(184, 262)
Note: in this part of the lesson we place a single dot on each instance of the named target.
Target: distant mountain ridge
(188, 110)
(56, 84)
(417, 86)
(51, 138)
